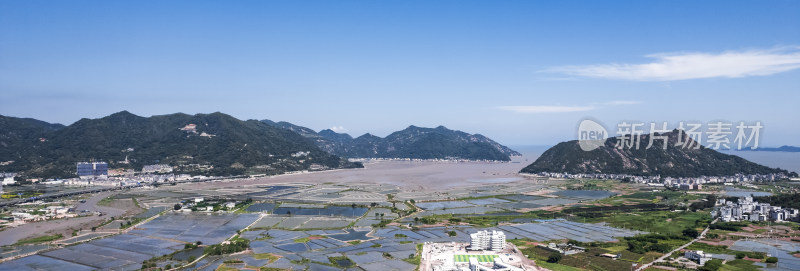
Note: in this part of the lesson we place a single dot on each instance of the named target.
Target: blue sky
(520, 72)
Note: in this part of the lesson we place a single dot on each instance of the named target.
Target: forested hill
(214, 144)
(675, 161)
(412, 142)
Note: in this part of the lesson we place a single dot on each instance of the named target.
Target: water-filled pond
(151, 212)
(775, 248)
(350, 235)
(184, 255)
(261, 207)
(343, 262)
(347, 211)
(270, 189)
(585, 194)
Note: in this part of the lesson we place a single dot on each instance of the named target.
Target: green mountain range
(214, 144)
(674, 161)
(413, 142)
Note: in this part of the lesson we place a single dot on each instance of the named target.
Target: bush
(740, 255)
(428, 220)
(771, 260)
(575, 243)
(691, 233)
(236, 245)
(756, 255)
(662, 248)
(382, 224)
(554, 258)
(728, 226)
(712, 265)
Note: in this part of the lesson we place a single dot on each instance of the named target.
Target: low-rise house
(698, 256)
(23, 216)
(611, 256)
(563, 248)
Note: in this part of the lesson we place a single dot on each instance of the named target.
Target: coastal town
(399, 135)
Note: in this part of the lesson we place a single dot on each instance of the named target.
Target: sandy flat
(414, 175)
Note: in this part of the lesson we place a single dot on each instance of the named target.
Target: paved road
(702, 235)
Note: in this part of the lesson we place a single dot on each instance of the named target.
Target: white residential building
(498, 240)
(479, 240)
(745, 209)
(8, 178)
(485, 240)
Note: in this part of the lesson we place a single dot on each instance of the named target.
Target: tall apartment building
(485, 240)
(92, 170)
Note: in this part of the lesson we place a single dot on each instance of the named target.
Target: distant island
(413, 142)
(675, 161)
(784, 148)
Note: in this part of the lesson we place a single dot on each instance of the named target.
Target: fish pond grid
(314, 249)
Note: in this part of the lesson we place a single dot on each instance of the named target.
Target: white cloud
(339, 129)
(683, 66)
(545, 108)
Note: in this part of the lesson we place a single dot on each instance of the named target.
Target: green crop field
(664, 222)
(481, 258)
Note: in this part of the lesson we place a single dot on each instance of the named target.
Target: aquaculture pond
(271, 189)
(343, 262)
(777, 248)
(184, 255)
(350, 235)
(347, 211)
(261, 207)
(151, 212)
(585, 194)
